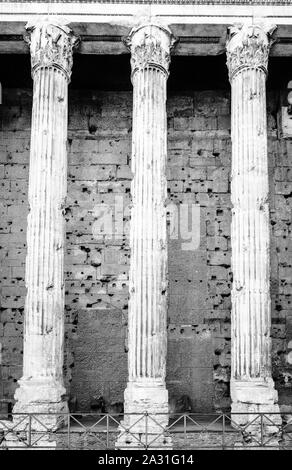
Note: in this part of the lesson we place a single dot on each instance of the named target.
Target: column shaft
(250, 227)
(147, 309)
(41, 387)
(44, 330)
(252, 387)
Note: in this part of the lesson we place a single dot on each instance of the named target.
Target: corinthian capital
(150, 45)
(248, 46)
(51, 45)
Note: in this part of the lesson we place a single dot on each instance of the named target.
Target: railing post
(29, 430)
(68, 431)
(223, 431)
(146, 430)
(185, 429)
(262, 431)
(107, 431)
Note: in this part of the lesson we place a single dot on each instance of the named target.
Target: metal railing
(182, 2)
(145, 431)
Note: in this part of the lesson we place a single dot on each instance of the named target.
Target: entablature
(200, 27)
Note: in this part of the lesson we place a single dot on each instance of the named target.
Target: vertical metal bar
(29, 430)
(185, 430)
(223, 431)
(282, 431)
(107, 431)
(68, 431)
(262, 431)
(146, 430)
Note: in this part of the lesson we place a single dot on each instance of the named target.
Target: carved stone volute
(51, 45)
(248, 46)
(150, 46)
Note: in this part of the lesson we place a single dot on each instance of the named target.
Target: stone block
(92, 172)
(15, 171)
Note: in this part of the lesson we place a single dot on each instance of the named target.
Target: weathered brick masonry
(199, 156)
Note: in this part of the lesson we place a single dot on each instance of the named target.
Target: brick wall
(96, 265)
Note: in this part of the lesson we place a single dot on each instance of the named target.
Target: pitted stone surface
(199, 155)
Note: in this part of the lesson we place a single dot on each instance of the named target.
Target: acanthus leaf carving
(150, 45)
(248, 46)
(51, 45)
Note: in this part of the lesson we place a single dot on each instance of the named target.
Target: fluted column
(41, 387)
(252, 387)
(150, 47)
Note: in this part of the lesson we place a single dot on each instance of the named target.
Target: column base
(255, 402)
(146, 417)
(42, 398)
